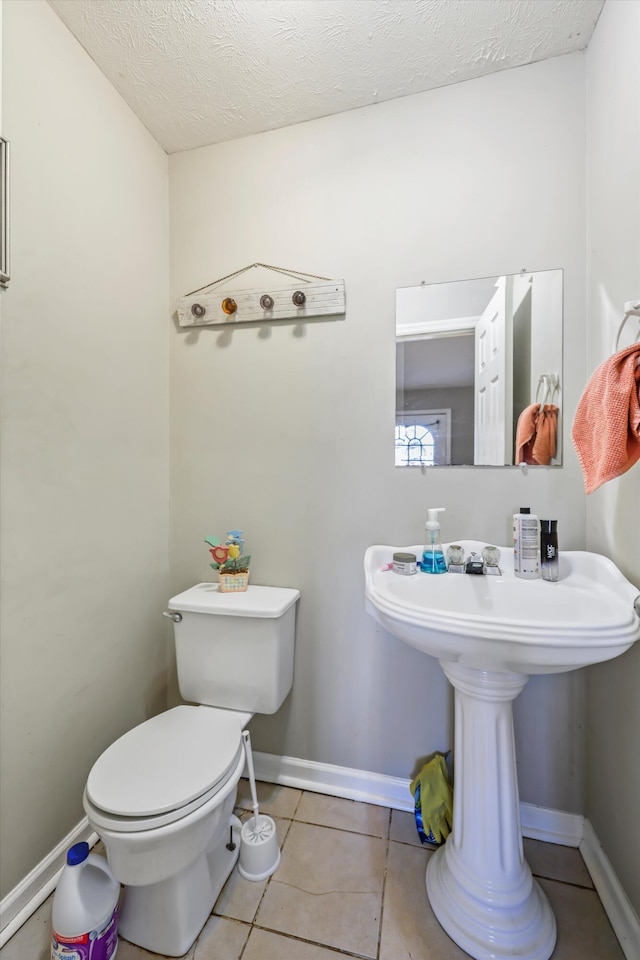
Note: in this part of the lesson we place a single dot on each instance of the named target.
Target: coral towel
(536, 434)
(606, 429)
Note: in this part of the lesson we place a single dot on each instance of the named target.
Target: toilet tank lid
(256, 601)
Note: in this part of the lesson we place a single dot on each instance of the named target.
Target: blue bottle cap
(78, 853)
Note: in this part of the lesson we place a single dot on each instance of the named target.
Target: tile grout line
(253, 923)
(384, 885)
(355, 833)
(312, 943)
(565, 883)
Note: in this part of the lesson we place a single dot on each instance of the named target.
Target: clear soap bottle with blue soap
(433, 560)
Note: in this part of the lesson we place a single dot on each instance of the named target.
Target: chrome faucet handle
(491, 557)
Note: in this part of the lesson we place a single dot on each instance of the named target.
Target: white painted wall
(84, 433)
(613, 514)
(286, 430)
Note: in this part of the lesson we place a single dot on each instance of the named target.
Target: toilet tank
(235, 650)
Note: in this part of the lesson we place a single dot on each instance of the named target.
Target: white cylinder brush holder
(259, 850)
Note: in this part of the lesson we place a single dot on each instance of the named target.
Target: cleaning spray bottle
(433, 555)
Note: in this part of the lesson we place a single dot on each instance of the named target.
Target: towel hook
(543, 380)
(631, 309)
(551, 383)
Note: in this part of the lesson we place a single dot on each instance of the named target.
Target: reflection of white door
(494, 379)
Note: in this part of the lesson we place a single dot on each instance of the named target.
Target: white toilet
(162, 796)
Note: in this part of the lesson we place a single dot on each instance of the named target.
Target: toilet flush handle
(636, 604)
(176, 617)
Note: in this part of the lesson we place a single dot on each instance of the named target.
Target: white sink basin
(503, 622)
(489, 633)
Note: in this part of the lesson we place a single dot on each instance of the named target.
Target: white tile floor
(351, 883)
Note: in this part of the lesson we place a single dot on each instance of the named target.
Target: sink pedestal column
(479, 884)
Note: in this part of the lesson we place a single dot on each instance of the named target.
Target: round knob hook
(229, 305)
(299, 298)
(198, 310)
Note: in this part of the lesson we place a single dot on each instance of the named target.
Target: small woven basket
(234, 582)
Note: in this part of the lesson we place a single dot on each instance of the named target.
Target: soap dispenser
(433, 555)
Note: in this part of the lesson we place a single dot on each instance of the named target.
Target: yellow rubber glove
(436, 797)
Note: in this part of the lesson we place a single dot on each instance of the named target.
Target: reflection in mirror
(478, 372)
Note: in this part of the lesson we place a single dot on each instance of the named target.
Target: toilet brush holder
(259, 850)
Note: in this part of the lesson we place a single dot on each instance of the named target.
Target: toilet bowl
(162, 796)
(167, 777)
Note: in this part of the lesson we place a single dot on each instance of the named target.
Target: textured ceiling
(202, 71)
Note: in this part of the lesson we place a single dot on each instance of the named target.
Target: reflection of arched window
(415, 445)
(423, 438)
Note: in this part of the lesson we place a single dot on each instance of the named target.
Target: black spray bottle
(549, 550)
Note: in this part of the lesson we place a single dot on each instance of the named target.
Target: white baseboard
(335, 781)
(25, 899)
(539, 823)
(622, 916)
(551, 826)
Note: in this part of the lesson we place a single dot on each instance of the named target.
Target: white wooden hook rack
(223, 302)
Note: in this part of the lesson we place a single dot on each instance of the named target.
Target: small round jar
(405, 564)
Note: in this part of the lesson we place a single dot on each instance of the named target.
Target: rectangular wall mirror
(479, 372)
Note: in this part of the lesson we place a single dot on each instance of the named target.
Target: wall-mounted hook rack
(222, 302)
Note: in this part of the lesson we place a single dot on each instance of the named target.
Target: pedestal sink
(490, 633)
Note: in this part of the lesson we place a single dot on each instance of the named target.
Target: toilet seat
(165, 768)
